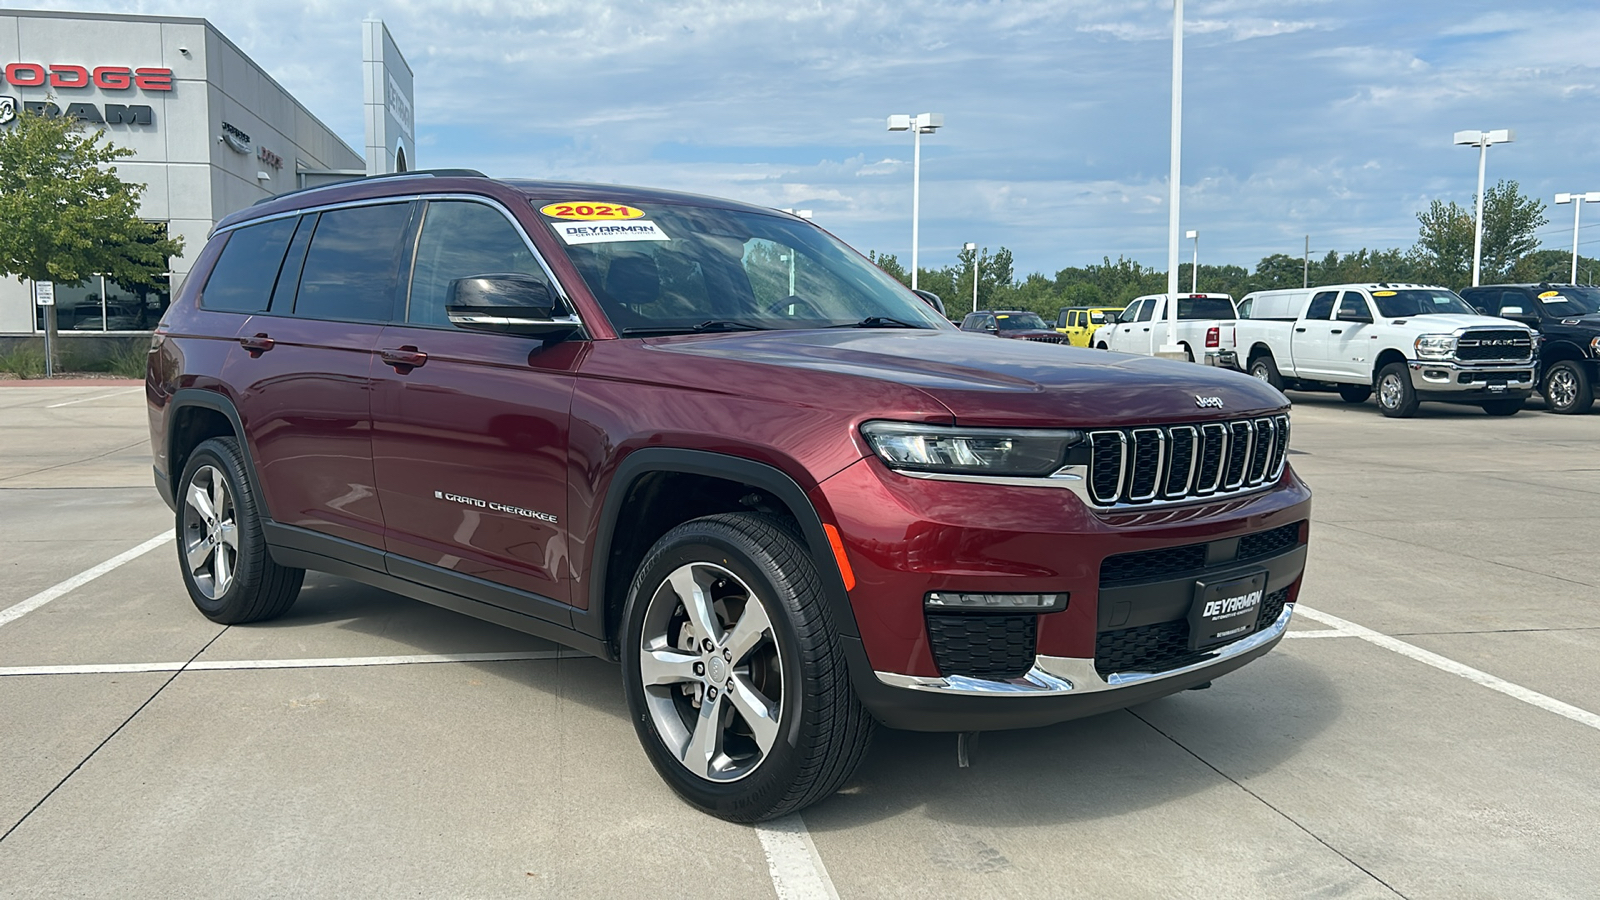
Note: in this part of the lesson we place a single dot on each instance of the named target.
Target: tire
(1502, 407)
(1188, 353)
(1355, 393)
(753, 768)
(1396, 397)
(1102, 346)
(1265, 368)
(230, 581)
(1567, 389)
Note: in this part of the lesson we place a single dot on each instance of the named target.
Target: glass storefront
(101, 304)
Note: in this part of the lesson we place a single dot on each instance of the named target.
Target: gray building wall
(193, 176)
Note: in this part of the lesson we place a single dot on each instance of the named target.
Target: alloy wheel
(712, 672)
(1561, 390)
(210, 532)
(1389, 391)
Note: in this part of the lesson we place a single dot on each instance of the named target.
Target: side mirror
(1518, 314)
(508, 303)
(1353, 315)
(931, 299)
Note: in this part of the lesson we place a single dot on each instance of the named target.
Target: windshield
(666, 268)
(1019, 321)
(1572, 301)
(1419, 302)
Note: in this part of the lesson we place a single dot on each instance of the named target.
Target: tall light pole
(919, 125)
(1482, 140)
(1577, 201)
(1194, 267)
(804, 214)
(973, 249)
(1170, 348)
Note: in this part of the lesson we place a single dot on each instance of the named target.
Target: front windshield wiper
(707, 327)
(877, 322)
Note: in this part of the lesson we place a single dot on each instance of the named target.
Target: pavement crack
(73, 462)
(1268, 804)
(114, 732)
(1493, 562)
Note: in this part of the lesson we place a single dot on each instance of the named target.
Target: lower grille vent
(983, 646)
(1165, 646)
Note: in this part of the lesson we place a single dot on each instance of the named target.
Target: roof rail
(415, 173)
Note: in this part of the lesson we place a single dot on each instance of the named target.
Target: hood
(988, 382)
(1444, 324)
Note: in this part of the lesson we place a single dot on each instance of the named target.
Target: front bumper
(1459, 382)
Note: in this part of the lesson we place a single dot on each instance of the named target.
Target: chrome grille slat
(1160, 465)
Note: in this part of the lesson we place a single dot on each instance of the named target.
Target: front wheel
(1396, 397)
(1355, 393)
(1502, 407)
(1567, 389)
(1264, 368)
(735, 679)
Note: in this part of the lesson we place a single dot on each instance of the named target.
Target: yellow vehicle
(1079, 322)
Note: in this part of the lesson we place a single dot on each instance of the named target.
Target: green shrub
(23, 361)
(128, 362)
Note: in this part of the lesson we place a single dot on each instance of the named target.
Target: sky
(1301, 117)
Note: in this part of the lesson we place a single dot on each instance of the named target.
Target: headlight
(1594, 345)
(1022, 452)
(1436, 346)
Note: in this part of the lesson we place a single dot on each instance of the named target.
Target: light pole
(1170, 348)
(1194, 267)
(1577, 201)
(919, 125)
(1481, 140)
(973, 249)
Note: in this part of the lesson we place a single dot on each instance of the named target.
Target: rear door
(305, 379)
(470, 428)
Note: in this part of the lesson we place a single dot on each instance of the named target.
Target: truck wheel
(1502, 407)
(1264, 368)
(1355, 393)
(1188, 353)
(222, 552)
(1567, 389)
(733, 671)
(1396, 397)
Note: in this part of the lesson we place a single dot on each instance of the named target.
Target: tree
(1444, 242)
(995, 277)
(890, 264)
(67, 215)
(1510, 221)
(1443, 252)
(1554, 266)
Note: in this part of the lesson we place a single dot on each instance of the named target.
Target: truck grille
(1165, 646)
(1494, 346)
(1171, 463)
(983, 645)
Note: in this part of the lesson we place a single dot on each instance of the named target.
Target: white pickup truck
(1142, 327)
(1409, 342)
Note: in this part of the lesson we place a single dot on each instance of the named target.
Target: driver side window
(460, 239)
(1146, 309)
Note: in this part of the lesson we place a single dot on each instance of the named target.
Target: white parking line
(1319, 633)
(332, 662)
(97, 397)
(1444, 664)
(792, 859)
(12, 613)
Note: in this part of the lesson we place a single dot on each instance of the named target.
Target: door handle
(257, 344)
(1300, 330)
(1338, 331)
(404, 359)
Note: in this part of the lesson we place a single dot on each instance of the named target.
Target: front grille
(1267, 543)
(983, 646)
(1047, 338)
(1165, 646)
(1171, 463)
(1495, 346)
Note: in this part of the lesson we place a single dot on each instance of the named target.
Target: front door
(1350, 344)
(1133, 334)
(470, 428)
(1311, 343)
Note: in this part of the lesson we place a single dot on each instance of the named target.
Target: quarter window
(242, 279)
(461, 239)
(351, 267)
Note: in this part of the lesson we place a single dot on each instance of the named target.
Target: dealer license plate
(1225, 611)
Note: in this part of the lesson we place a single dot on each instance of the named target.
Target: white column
(1171, 344)
(916, 193)
(1477, 231)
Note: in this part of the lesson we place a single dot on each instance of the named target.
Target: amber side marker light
(837, 544)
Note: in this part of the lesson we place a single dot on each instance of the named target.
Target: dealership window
(101, 303)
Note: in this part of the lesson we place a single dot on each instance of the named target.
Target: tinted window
(1321, 305)
(1020, 322)
(244, 274)
(1204, 308)
(350, 269)
(461, 239)
(1507, 298)
(1353, 302)
(1412, 302)
(1145, 309)
(1573, 300)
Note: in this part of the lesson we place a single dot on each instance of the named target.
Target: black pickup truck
(1567, 317)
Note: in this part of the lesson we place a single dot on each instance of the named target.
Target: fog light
(949, 600)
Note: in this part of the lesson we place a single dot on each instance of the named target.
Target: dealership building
(211, 132)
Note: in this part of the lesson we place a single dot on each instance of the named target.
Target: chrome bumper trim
(1519, 374)
(1055, 676)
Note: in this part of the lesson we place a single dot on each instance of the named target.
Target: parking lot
(1428, 730)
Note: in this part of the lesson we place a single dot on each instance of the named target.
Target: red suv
(713, 442)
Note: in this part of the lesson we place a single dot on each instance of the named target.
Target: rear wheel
(1355, 393)
(1265, 369)
(1567, 389)
(734, 675)
(1396, 397)
(1502, 407)
(222, 551)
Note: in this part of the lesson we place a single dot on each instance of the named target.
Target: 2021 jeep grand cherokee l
(713, 442)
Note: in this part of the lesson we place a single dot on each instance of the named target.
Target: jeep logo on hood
(1207, 402)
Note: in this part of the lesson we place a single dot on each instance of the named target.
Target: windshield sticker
(591, 212)
(1548, 294)
(1553, 298)
(1383, 293)
(599, 233)
(1002, 317)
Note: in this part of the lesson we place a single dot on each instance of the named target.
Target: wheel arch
(657, 488)
(1385, 358)
(1559, 350)
(195, 416)
(1258, 350)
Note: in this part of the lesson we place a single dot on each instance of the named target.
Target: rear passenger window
(1321, 305)
(352, 265)
(242, 279)
(461, 239)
